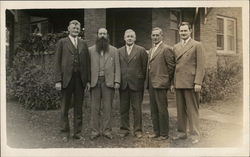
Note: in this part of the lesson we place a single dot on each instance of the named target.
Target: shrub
(222, 82)
(31, 79)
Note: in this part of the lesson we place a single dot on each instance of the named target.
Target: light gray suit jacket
(190, 64)
(111, 66)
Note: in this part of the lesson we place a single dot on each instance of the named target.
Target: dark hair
(185, 23)
(101, 28)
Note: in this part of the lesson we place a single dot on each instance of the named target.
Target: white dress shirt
(73, 40)
(129, 49)
(184, 42)
(155, 48)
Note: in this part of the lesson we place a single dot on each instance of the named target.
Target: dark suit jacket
(64, 61)
(111, 66)
(190, 63)
(133, 67)
(161, 67)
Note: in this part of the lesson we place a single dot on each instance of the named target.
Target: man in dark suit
(105, 78)
(72, 76)
(133, 61)
(160, 73)
(189, 74)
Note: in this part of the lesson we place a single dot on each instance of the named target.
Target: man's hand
(172, 88)
(87, 88)
(58, 86)
(117, 86)
(197, 88)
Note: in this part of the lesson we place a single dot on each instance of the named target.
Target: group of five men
(102, 68)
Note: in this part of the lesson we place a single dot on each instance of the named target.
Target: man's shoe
(138, 134)
(64, 130)
(77, 136)
(195, 139)
(124, 134)
(94, 136)
(65, 138)
(108, 136)
(162, 138)
(180, 136)
(154, 136)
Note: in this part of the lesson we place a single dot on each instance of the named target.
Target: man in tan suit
(189, 74)
(105, 78)
(133, 60)
(160, 73)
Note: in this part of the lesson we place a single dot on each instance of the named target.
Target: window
(226, 35)
(39, 25)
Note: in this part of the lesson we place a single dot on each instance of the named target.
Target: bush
(31, 79)
(223, 82)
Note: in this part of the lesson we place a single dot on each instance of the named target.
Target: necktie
(129, 50)
(153, 51)
(75, 42)
(184, 42)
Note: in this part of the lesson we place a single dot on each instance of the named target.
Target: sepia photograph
(159, 78)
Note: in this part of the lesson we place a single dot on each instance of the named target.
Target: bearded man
(105, 78)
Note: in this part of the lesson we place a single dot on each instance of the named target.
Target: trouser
(134, 99)
(101, 94)
(75, 88)
(188, 110)
(159, 110)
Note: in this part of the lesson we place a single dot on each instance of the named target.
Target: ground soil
(40, 129)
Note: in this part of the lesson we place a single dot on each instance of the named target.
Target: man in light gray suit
(189, 74)
(105, 78)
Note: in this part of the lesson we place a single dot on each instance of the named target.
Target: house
(219, 29)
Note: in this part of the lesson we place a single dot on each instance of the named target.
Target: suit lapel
(106, 55)
(156, 51)
(79, 46)
(70, 45)
(132, 53)
(124, 54)
(183, 49)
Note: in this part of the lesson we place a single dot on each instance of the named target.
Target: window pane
(220, 25)
(230, 43)
(220, 42)
(45, 28)
(230, 27)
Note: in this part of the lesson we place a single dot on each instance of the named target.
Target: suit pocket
(163, 79)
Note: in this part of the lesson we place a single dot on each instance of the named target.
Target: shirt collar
(187, 40)
(157, 45)
(130, 46)
(72, 38)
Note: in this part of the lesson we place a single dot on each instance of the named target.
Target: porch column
(93, 19)
(160, 18)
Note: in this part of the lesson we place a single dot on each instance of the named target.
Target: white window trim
(225, 51)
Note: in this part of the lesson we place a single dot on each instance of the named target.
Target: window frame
(225, 51)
